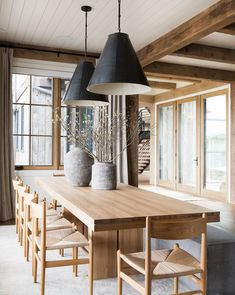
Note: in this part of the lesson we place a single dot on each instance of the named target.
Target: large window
(32, 120)
(215, 148)
(166, 144)
(192, 144)
(38, 143)
(72, 115)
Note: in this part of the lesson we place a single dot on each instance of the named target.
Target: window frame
(200, 190)
(55, 128)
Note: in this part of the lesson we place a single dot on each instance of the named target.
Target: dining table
(116, 217)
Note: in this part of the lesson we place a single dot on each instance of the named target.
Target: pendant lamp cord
(86, 35)
(119, 16)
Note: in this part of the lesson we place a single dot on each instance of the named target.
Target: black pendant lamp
(118, 71)
(77, 94)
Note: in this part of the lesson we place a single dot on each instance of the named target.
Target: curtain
(6, 139)
(118, 106)
(111, 142)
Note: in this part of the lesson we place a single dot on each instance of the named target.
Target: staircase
(144, 155)
(144, 140)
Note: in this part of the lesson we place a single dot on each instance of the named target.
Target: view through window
(32, 119)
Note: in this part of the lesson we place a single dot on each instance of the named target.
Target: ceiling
(60, 23)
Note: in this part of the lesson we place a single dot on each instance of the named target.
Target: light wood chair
(172, 263)
(16, 183)
(44, 241)
(21, 191)
(53, 222)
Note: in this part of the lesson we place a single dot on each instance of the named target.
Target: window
(166, 144)
(38, 143)
(32, 120)
(70, 114)
(215, 150)
(192, 144)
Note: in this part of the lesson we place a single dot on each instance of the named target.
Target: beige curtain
(6, 140)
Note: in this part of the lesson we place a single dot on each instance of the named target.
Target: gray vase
(77, 167)
(104, 176)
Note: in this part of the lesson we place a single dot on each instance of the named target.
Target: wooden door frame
(163, 183)
(182, 187)
(206, 192)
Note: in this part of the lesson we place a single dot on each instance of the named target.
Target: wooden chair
(16, 183)
(53, 222)
(163, 264)
(21, 191)
(44, 241)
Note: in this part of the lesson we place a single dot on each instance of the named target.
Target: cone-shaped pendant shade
(77, 94)
(118, 71)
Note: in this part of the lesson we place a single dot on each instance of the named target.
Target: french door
(188, 157)
(192, 144)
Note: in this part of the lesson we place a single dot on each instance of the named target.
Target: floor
(16, 279)
(227, 211)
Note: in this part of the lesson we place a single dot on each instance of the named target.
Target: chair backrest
(38, 214)
(27, 199)
(21, 191)
(178, 229)
(17, 183)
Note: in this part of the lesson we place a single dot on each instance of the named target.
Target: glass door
(166, 150)
(187, 145)
(214, 138)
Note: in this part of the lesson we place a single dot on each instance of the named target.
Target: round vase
(104, 176)
(77, 167)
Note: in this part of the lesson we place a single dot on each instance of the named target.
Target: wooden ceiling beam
(162, 85)
(157, 76)
(47, 53)
(210, 53)
(210, 20)
(187, 90)
(230, 30)
(185, 71)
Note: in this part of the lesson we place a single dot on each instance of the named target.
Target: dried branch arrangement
(102, 136)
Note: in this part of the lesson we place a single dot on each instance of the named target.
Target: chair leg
(43, 273)
(25, 239)
(16, 220)
(76, 266)
(176, 285)
(91, 261)
(35, 265)
(119, 279)
(27, 248)
(203, 283)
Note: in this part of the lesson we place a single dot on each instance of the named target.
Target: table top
(126, 207)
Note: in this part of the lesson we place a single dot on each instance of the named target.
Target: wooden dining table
(116, 217)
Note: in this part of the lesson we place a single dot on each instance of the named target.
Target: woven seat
(62, 239)
(179, 263)
(137, 260)
(53, 223)
(165, 263)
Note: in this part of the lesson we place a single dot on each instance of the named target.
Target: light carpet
(16, 279)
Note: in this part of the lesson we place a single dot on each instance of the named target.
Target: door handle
(196, 160)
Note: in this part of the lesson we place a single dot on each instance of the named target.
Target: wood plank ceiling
(59, 23)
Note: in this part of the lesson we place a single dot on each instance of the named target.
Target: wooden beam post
(232, 144)
(187, 90)
(132, 110)
(230, 30)
(204, 52)
(210, 20)
(179, 70)
(162, 85)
